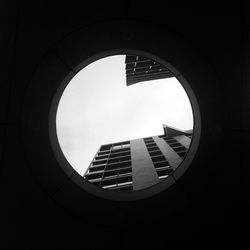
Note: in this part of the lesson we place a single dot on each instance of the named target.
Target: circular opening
(126, 124)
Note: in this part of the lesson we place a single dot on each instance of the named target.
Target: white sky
(98, 108)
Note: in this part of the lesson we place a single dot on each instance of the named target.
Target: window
(121, 146)
(111, 167)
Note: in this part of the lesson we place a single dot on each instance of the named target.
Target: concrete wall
(143, 170)
(183, 140)
(206, 201)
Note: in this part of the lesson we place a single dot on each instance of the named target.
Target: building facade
(141, 69)
(139, 163)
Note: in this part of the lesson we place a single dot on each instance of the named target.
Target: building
(141, 69)
(139, 163)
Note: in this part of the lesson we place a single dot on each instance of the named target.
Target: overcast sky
(98, 108)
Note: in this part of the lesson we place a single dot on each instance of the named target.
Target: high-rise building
(141, 69)
(139, 163)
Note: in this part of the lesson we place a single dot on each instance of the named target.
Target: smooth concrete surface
(172, 157)
(118, 31)
(43, 150)
(143, 170)
(207, 198)
(183, 140)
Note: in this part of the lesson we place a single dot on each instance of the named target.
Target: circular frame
(60, 65)
(149, 191)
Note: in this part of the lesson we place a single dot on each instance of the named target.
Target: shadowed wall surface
(208, 202)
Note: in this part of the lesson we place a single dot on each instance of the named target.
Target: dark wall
(210, 209)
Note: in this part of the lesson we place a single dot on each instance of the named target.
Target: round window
(126, 124)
